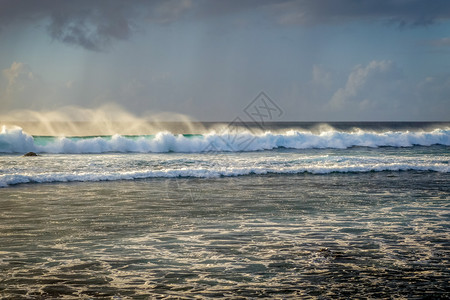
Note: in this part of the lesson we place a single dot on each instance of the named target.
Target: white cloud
(379, 91)
(367, 85)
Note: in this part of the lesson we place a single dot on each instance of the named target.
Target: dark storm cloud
(94, 25)
(402, 12)
(93, 29)
(313, 12)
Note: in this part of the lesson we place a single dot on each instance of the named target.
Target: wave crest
(14, 140)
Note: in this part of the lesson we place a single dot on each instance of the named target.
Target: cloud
(380, 91)
(373, 91)
(307, 12)
(92, 30)
(93, 25)
(376, 91)
(364, 82)
(409, 12)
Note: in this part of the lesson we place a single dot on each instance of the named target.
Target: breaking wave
(16, 141)
(6, 180)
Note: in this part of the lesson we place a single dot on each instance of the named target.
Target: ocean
(209, 210)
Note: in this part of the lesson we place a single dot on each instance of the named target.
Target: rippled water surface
(376, 234)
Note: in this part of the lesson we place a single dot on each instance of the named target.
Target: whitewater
(223, 154)
(16, 141)
(288, 212)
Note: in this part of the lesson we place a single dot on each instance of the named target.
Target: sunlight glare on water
(384, 234)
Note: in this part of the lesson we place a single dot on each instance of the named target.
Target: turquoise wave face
(16, 141)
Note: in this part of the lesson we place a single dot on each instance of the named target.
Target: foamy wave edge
(16, 141)
(13, 179)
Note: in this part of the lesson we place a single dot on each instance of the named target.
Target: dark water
(366, 235)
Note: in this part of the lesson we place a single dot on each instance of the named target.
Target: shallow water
(375, 235)
(16, 169)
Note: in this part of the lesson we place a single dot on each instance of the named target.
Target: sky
(318, 60)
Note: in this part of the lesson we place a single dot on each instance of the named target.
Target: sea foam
(12, 179)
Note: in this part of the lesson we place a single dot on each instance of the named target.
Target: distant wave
(16, 141)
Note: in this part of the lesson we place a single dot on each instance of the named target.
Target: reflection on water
(379, 235)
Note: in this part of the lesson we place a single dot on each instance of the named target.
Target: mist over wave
(14, 140)
(107, 119)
